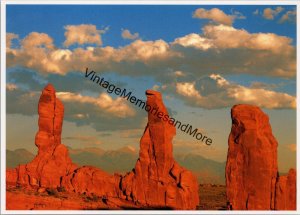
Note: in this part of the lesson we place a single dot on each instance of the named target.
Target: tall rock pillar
(251, 168)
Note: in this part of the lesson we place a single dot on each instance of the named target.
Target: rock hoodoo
(52, 161)
(157, 181)
(252, 180)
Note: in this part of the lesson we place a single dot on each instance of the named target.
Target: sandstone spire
(157, 180)
(252, 180)
(52, 161)
(251, 167)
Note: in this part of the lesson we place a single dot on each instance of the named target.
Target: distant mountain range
(124, 159)
(18, 156)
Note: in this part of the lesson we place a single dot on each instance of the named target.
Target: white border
(155, 2)
(118, 2)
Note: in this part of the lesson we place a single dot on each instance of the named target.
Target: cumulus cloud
(270, 13)
(37, 40)
(35, 52)
(215, 91)
(227, 37)
(187, 89)
(289, 16)
(262, 85)
(9, 38)
(117, 107)
(236, 51)
(219, 47)
(194, 40)
(87, 112)
(11, 86)
(83, 34)
(126, 34)
(217, 16)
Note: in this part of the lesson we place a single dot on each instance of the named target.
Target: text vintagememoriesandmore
(122, 92)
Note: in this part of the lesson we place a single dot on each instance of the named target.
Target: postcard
(149, 107)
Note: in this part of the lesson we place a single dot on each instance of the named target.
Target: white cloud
(214, 14)
(35, 52)
(225, 37)
(270, 13)
(194, 40)
(145, 50)
(9, 38)
(256, 12)
(11, 86)
(126, 34)
(289, 16)
(220, 47)
(81, 115)
(83, 34)
(216, 92)
(187, 89)
(217, 15)
(155, 87)
(37, 40)
(117, 107)
(102, 112)
(179, 74)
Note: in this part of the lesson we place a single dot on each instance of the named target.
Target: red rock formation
(251, 167)
(157, 181)
(91, 181)
(52, 161)
(285, 195)
(252, 181)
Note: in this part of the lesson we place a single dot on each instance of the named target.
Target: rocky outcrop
(52, 161)
(157, 181)
(285, 194)
(91, 181)
(252, 181)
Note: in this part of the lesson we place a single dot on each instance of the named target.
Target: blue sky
(152, 22)
(198, 63)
